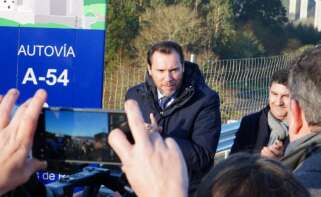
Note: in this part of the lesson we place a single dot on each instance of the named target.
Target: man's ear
(149, 69)
(296, 115)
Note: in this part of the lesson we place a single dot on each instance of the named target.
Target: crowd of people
(174, 118)
(74, 148)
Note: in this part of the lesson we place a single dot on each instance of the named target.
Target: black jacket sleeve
(242, 140)
(247, 135)
(200, 150)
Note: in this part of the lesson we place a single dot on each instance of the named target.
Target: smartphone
(77, 135)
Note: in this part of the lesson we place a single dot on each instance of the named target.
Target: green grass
(95, 9)
(11, 23)
(88, 2)
(8, 23)
(98, 25)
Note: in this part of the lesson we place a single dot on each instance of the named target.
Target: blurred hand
(274, 151)
(153, 166)
(153, 126)
(16, 138)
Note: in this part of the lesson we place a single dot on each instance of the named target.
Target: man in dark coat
(263, 131)
(183, 105)
(303, 154)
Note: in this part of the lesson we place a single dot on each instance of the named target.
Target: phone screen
(76, 135)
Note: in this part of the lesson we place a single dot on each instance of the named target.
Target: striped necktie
(164, 101)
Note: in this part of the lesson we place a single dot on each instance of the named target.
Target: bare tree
(176, 22)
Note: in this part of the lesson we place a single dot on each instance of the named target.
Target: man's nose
(168, 76)
(279, 101)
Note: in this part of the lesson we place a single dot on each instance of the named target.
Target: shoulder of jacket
(309, 163)
(137, 87)
(207, 92)
(135, 90)
(253, 116)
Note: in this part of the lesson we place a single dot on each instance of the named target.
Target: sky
(76, 123)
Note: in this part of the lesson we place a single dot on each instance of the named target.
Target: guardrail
(226, 139)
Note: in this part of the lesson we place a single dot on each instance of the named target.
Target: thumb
(38, 165)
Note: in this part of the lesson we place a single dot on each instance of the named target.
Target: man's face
(98, 145)
(279, 101)
(166, 72)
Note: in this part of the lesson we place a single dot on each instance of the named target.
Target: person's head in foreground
(305, 95)
(303, 154)
(246, 175)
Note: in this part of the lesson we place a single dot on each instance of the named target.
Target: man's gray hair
(305, 84)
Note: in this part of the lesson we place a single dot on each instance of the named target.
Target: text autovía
(47, 50)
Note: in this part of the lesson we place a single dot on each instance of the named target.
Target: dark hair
(281, 77)
(244, 175)
(305, 84)
(102, 136)
(166, 47)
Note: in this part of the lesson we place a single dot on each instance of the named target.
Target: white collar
(160, 95)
